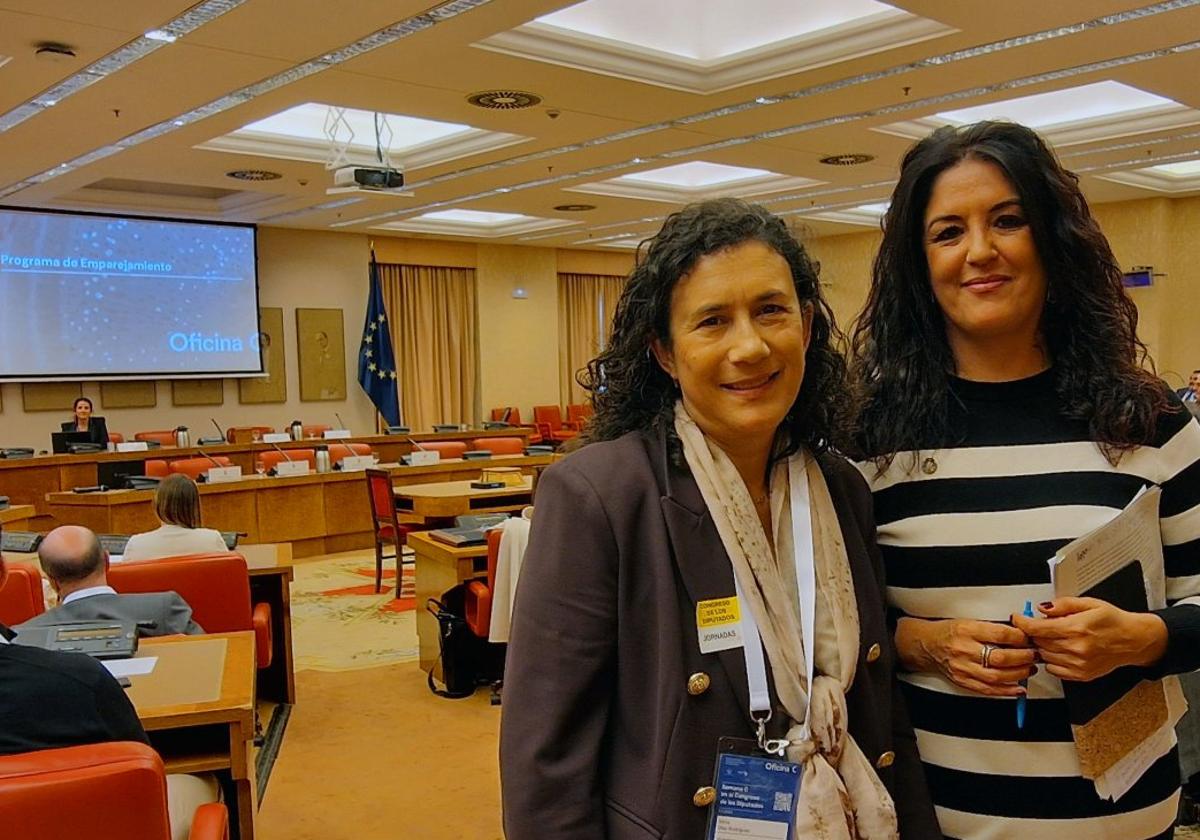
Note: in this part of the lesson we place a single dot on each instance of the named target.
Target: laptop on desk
(61, 442)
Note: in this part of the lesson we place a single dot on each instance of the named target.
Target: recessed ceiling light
(504, 100)
(574, 208)
(473, 217)
(161, 35)
(696, 173)
(847, 159)
(253, 175)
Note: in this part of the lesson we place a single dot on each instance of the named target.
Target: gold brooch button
(885, 760)
(698, 683)
(929, 466)
(873, 652)
(703, 797)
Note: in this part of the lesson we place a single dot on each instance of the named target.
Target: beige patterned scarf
(841, 797)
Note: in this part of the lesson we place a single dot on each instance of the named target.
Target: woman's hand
(1081, 639)
(953, 647)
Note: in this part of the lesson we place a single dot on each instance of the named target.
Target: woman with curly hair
(704, 524)
(1005, 412)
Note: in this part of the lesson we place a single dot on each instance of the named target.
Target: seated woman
(707, 488)
(85, 421)
(177, 505)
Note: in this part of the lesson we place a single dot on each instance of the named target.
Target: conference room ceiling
(640, 106)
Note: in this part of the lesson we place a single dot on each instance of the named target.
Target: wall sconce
(520, 292)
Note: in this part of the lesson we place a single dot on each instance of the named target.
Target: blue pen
(1028, 613)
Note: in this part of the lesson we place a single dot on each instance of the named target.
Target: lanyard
(806, 585)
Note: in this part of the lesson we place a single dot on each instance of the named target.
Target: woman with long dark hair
(1006, 410)
(705, 512)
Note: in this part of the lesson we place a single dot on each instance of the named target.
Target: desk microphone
(341, 425)
(210, 441)
(201, 478)
(286, 457)
(414, 443)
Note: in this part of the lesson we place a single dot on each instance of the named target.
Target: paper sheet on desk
(1090, 561)
(130, 667)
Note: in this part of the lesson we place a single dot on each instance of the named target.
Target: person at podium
(85, 421)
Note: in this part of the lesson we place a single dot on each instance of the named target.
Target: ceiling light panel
(476, 223)
(708, 31)
(1081, 114)
(709, 47)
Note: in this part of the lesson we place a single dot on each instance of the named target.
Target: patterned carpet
(340, 623)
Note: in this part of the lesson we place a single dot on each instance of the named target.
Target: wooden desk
(197, 705)
(317, 513)
(270, 567)
(16, 517)
(29, 480)
(447, 499)
(439, 567)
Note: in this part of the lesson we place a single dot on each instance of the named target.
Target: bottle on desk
(182, 438)
(297, 430)
(322, 459)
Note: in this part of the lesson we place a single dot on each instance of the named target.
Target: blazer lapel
(699, 556)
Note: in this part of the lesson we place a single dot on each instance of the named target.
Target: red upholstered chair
(157, 467)
(500, 445)
(578, 415)
(447, 448)
(550, 423)
(21, 596)
(215, 586)
(387, 525)
(193, 467)
(165, 438)
(315, 430)
(110, 791)
(116, 437)
(513, 418)
(478, 597)
(338, 451)
(269, 458)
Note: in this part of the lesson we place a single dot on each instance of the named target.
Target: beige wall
(845, 271)
(518, 338)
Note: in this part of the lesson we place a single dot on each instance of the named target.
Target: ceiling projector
(368, 177)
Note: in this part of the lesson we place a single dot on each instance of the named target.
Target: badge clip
(772, 746)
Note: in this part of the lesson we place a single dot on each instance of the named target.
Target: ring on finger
(985, 655)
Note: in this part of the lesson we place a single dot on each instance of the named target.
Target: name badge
(756, 795)
(719, 623)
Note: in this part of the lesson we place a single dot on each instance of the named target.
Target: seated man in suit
(1190, 392)
(50, 699)
(77, 566)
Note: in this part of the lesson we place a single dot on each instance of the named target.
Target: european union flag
(376, 362)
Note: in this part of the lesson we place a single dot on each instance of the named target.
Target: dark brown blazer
(600, 737)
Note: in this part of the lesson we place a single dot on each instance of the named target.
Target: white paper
(130, 667)
(1088, 560)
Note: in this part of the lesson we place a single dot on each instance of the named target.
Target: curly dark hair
(901, 356)
(631, 392)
